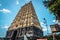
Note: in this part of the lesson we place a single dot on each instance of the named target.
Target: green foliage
(50, 38)
(54, 7)
(59, 36)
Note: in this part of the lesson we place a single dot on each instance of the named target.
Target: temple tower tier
(25, 23)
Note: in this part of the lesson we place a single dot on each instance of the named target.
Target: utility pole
(53, 36)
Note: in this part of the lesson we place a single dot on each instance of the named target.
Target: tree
(54, 7)
(50, 38)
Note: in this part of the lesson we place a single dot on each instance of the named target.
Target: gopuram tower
(25, 23)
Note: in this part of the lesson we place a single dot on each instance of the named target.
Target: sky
(9, 9)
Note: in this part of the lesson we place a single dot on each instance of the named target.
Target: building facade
(55, 28)
(25, 23)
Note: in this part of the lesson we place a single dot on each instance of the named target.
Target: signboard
(42, 39)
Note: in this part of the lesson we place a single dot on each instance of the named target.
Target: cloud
(5, 27)
(43, 26)
(54, 20)
(17, 2)
(44, 29)
(0, 4)
(5, 11)
(42, 23)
